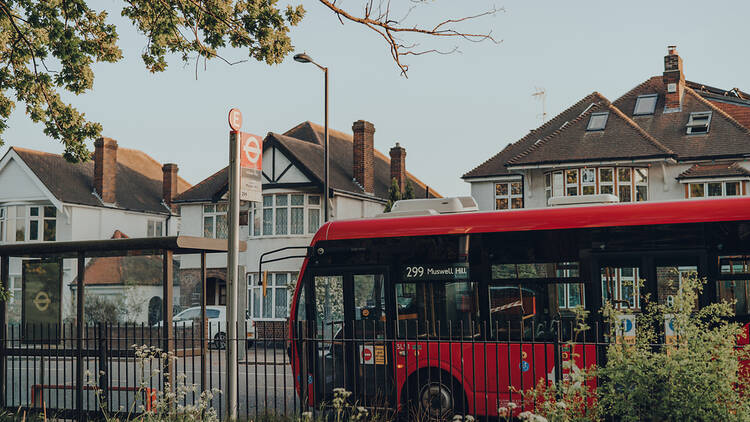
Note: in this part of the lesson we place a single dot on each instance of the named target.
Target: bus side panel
(504, 370)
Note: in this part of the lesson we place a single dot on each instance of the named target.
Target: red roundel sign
(366, 355)
(235, 119)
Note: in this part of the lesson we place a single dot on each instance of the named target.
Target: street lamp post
(304, 58)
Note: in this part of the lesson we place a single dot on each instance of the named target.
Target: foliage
(408, 190)
(695, 378)
(168, 403)
(394, 194)
(124, 307)
(5, 294)
(47, 48)
(571, 400)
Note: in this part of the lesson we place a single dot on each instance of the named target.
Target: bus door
(350, 350)
(367, 352)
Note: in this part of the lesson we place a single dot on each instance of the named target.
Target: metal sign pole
(232, 279)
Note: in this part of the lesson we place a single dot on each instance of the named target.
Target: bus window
(735, 290)
(437, 309)
(329, 306)
(669, 281)
(523, 311)
(621, 286)
(369, 306)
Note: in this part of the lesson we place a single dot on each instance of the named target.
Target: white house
(44, 198)
(292, 208)
(667, 139)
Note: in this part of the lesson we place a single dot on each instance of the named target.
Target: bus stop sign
(251, 167)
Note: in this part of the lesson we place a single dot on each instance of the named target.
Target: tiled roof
(620, 139)
(304, 143)
(138, 186)
(659, 135)
(728, 169)
(495, 166)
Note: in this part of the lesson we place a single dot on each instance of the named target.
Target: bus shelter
(164, 247)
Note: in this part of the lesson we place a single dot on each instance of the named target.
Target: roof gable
(621, 139)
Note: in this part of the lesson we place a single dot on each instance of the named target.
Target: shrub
(693, 379)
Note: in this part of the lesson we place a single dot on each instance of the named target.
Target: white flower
(512, 405)
(469, 418)
(502, 411)
(561, 405)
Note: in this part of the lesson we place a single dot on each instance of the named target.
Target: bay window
(285, 214)
(628, 183)
(275, 304)
(31, 222)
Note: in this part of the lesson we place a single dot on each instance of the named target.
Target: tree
(408, 190)
(394, 194)
(48, 47)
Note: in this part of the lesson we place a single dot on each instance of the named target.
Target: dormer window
(699, 122)
(645, 104)
(597, 121)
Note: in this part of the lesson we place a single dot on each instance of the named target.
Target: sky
(451, 114)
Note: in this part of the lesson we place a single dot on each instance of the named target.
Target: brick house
(292, 209)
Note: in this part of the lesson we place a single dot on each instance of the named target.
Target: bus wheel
(436, 400)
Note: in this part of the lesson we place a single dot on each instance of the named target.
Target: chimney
(674, 78)
(363, 159)
(169, 183)
(398, 166)
(105, 169)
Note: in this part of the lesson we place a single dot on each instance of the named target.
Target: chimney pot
(169, 182)
(105, 169)
(363, 150)
(398, 165)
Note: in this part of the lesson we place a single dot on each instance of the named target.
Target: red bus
(462, 311)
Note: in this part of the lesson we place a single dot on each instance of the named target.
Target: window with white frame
(607, 180)
(699, 122)
(285, 214)
(508, 195)
(215, 223)
(571, 182)
(621, 285)
(645, 104)
(275, 303)
(33, 223)
(628, 183)
(548, 185)
(154, 228)
(640, 181)
(2, 224)
(569, 295)
(714, 189)
(588, 181)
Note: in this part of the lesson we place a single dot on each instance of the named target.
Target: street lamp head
(302, 58)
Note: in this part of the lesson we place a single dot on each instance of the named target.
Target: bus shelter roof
(179, 245)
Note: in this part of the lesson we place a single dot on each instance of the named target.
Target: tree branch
(387, 27)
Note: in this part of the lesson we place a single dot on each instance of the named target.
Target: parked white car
(217, 323)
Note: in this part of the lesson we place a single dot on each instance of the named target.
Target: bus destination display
(436, 272)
